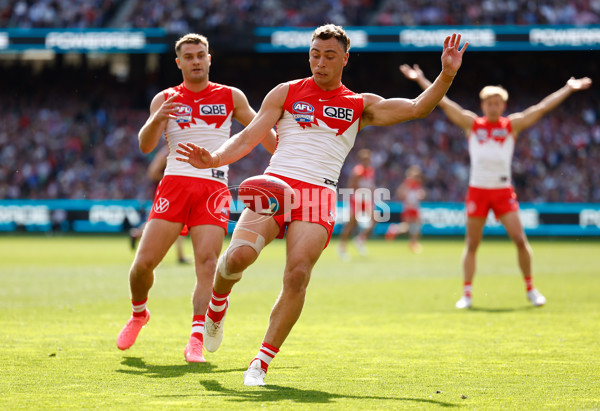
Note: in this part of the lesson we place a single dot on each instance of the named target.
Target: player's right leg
(473, 236)
(157, 238)
(251, 234)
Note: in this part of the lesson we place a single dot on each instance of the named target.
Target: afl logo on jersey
(183, 114)
(303, 112)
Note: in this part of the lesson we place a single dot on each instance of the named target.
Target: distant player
(411, 193)
(155, 173)
(491, 140)
(200, 111)
(361, 205)
(317, 121)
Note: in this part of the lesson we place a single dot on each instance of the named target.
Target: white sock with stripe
(266, 353)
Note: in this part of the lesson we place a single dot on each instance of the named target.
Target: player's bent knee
(224, 272)
(234, 256)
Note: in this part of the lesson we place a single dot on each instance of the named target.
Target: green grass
(378, 332)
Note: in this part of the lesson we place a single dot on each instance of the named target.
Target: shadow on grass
(502, 309)
(273, 393)
(139, 367)
(268, 393)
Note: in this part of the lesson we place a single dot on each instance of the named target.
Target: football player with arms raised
(491, 141)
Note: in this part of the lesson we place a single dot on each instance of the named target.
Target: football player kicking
(317, 120)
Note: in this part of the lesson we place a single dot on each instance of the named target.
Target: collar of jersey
(327, 94)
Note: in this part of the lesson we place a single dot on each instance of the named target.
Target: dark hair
(328, 31)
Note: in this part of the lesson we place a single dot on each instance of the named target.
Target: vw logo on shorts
(161, 205)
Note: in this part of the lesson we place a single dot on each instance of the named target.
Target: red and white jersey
(491, 148)
(205, 120)
(412, 194)
(366, 176)
(316, 132)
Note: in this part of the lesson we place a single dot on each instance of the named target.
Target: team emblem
(303, 112)
(183, 114)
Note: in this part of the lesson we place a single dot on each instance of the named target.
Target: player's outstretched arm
(160, 112)
(243, 142)
(384, 112)
(521, 121)
(456, 114)
(244, 113)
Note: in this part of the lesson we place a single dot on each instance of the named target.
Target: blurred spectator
(465, 12)
(211, 15)
(57, 13)
(218, 15)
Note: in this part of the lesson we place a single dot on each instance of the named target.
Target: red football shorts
(192, 201)
(313, 203)
(410, 215)
(480, 200)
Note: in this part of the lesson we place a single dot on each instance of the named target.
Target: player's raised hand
(452, 54)
(194, 155)
(167, 108)
(577, 84)
(413, 73)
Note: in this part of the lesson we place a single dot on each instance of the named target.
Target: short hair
(328, 31)
(364, 154)
(489, 91)
(413, 171)
(190, 38)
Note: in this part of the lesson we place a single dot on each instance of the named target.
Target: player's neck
(195, 86)
(329, 85)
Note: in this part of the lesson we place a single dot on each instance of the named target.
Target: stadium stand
(465, 12)
(211, 15)
(72, 133)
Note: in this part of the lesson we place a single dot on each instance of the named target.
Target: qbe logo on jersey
(303, 112)
(339, 113)
(213, 109)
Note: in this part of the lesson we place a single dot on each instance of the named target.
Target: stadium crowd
(465, 12)
(57, 141)
(86, 146)
(213, 15)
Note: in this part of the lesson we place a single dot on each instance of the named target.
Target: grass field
(378, 332)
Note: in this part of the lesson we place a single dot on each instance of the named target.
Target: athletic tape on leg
(241, 236)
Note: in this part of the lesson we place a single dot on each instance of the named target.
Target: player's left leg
(345, 236)
(514, 229)
(207, 241)
(414, 232)
(361, 239)
(305, 243)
